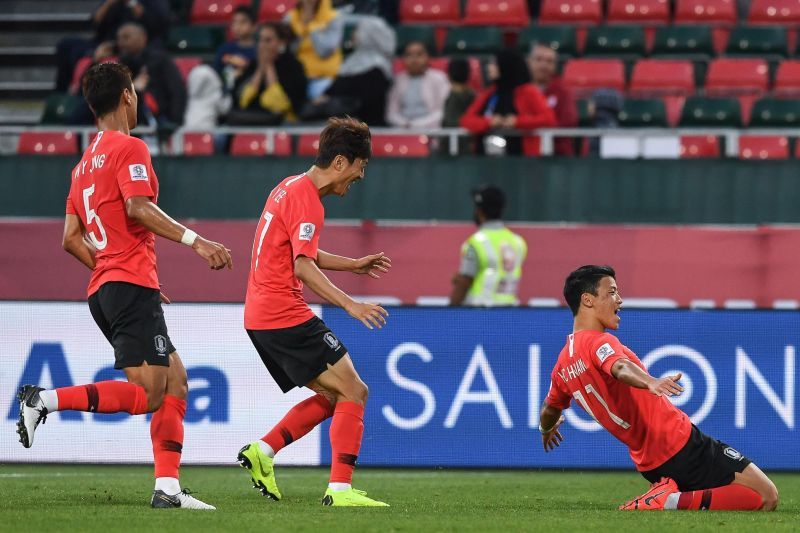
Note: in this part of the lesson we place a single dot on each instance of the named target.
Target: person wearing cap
(492, 257)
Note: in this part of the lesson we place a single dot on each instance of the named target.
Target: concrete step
(20, 112)
(28, 74)
(36, 38)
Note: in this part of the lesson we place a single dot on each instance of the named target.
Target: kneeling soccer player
(297, 348)
(688, 469)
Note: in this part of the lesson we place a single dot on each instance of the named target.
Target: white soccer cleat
(182, 500)
(31, 412)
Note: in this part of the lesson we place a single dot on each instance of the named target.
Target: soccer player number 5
(91, 216)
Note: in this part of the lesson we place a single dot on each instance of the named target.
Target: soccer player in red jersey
(687, 469)
(110, 227)
(297, 348)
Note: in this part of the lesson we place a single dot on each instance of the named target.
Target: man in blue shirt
(235, 56)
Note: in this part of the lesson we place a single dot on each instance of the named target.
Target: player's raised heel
(350, 498)
(31, 413)
(261, 468)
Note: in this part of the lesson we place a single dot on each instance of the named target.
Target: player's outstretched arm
(550, 419)
(145, 212)
(76, 243)
(628, 372)
(307, 271)
(370, 264)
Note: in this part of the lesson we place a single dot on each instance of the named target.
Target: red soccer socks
(166, 432)
(733, 497)
(300, 419)
(104, 397)
(346, 431)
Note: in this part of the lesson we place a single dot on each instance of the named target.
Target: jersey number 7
(578, 395)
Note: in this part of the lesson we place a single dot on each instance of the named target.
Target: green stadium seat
(196, 39)
(644, 113)
(58, 108)
(704, 112)
(473, 40)
(774, 113)
(408, 33)
(584, 114)
(615, 41)
(561, 38)
(684, 41)
(760, 41)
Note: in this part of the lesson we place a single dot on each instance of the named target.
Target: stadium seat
(198, 144)
(706, 12)
(695, 146)
(662, 77)
(584, 12)
(430, 11)
(646, 113)
(186, 64)
(736, 76)
(760, 41)
(47, 143)
(215, 11)
(308, 144)
(496, 13)
(645, 12)
(711, 112)
(273, 10)
(585, 75)
(560, 38)
(684, 42)
(787, 79)
(763, 147)
(58, 108)
(473, 40)
(623, 42)
(249, 144)
(774, 113)
(400, 146)
(417, 32)
(774, 12)
(282, 144)
(584, 116)
(197, 39)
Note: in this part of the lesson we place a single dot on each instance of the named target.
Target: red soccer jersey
(289, 227)
(651, 427)
(113, 168)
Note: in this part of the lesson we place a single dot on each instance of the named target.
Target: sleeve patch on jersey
(307, 230)
(138, 172)
(604, 352)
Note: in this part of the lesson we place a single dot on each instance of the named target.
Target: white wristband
(188, 237)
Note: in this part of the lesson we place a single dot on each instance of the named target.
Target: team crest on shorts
(331, 340)
(733, 454)
(161, 344)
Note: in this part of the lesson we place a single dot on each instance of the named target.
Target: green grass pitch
(116, 498)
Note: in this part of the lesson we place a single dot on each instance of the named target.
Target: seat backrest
(774, 12)
(758, 41)
(711, 112)
(695, 146)
(415, 33)
(430, 11)
(308, 144)
(737, 76)
(763, 147)
(585, 75)
(615, 41)
(400, 146)
(203, 39)
(663, 77)
(721, 12)
(787, 78)
(249, 144)
(473, 40)
(648, 12)
(775, 113)
(684, 41)
(561, 38)
(497, 13)
(47, 143)
(643, 113)
(273, 10)
(197, 143)
(584, 12)
(215, 11)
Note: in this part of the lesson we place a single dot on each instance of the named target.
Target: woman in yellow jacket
(318, 29)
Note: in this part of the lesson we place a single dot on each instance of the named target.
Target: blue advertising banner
(463, 387)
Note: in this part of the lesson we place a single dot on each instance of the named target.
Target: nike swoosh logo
(653, 497)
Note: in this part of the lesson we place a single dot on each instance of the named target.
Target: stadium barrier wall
(448, 387)
(708, 191)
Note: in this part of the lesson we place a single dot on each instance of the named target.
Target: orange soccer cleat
(653, 499)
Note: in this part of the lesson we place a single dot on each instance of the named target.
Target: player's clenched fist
(215, 254)
(371, 315)
(667, 386)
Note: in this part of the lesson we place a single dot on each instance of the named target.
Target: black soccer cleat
(32, 412)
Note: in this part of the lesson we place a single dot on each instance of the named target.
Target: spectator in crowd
(318, 28)
(416, 99)
(273, 88)
(492, 258)
(458, 101)
(364, 79)
(207, 100)
(153, 15)
(234, 56)
(512, 102)
(155, 75)
(542, 62)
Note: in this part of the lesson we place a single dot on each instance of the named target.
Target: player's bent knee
(770, 499)
(154, 400)
(356, 392)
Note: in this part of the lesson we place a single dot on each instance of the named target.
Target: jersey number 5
(591, 390)
(91, 216)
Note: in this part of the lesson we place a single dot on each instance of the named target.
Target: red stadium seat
(215, 11)
(774, 12)
(440, 63)
(706, 12)
(400, 146)
(674, 105)
(694, 146)
(586, 75)
(198, 144)
(787, 79)
(763, 147)
(638, 11)
(728, 77)
(249, 144)
(587, 12)
(274, 10)
(308, 144)
(662, 77)
(497, 13)
(47, 143)
(282, 144)
(430, 11)
(186, 64)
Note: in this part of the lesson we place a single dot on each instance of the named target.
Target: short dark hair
(491, 200)
(344, 136)
(103, 84)
(458, 70)
(584, 279)
(409, 44)
(283, 31)
(246, 11)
